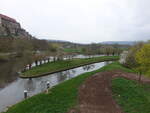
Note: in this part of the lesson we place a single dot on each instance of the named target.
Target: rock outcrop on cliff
(10, 27)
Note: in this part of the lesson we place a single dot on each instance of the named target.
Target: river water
(12, 87)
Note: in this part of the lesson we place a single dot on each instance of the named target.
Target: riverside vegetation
(62, 97)
(52, 67)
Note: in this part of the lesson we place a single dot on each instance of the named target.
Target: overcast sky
(82, 21)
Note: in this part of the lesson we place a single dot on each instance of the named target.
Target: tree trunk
(48, 60)
(113, 54)
(36, 63)
(54, 59)
(140, 75)
(40, 62)
(30, 66)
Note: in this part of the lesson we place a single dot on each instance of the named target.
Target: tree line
(138, 58)
(39, 51)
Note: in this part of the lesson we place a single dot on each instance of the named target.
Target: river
(12, 86)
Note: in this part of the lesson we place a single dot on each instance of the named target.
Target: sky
(82, 21)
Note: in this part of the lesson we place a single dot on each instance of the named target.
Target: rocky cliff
(10, 27)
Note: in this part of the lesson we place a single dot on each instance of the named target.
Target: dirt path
(130, 76)
(95, 95)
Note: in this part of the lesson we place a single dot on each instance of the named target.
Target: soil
(95, 94)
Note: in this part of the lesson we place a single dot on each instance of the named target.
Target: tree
(5, 44)
(108, 50)
(130, 59)
(143, 58)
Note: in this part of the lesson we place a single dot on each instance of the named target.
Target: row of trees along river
(37, 51)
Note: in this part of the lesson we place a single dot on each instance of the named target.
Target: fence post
(48, 86)
(25, 94)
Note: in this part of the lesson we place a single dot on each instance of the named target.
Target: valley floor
(111, 89)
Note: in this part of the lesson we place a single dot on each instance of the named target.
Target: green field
(63, 65)
(61, 97)
(69, 50)
(131, 96)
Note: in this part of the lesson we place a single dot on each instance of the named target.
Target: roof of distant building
(7, 18)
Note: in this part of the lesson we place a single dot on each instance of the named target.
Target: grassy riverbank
(61, 97)
(52, 67)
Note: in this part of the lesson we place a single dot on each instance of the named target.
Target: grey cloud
(82, 21)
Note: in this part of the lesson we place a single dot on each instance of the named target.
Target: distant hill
(105, 42)
(50, 40)
(64, 42)
(119, 42)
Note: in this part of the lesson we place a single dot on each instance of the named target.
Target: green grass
(61, 97)
(69, 50)
(134, 97)
(117, 66)
(63, 65)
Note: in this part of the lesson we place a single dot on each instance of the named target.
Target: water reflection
(36, 85)
(42, 86)
(61, 76)
(12, 87)
(72, 73)
(8, 72)
(88, 67)
(30, 85)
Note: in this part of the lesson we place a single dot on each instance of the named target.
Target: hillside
(10, 27)
(119, 42)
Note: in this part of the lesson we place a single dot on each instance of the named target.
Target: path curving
(95, 94)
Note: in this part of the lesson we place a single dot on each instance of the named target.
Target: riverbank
(58, 66)
(62, 97)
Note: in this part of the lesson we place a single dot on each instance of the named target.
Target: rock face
(9, 26)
